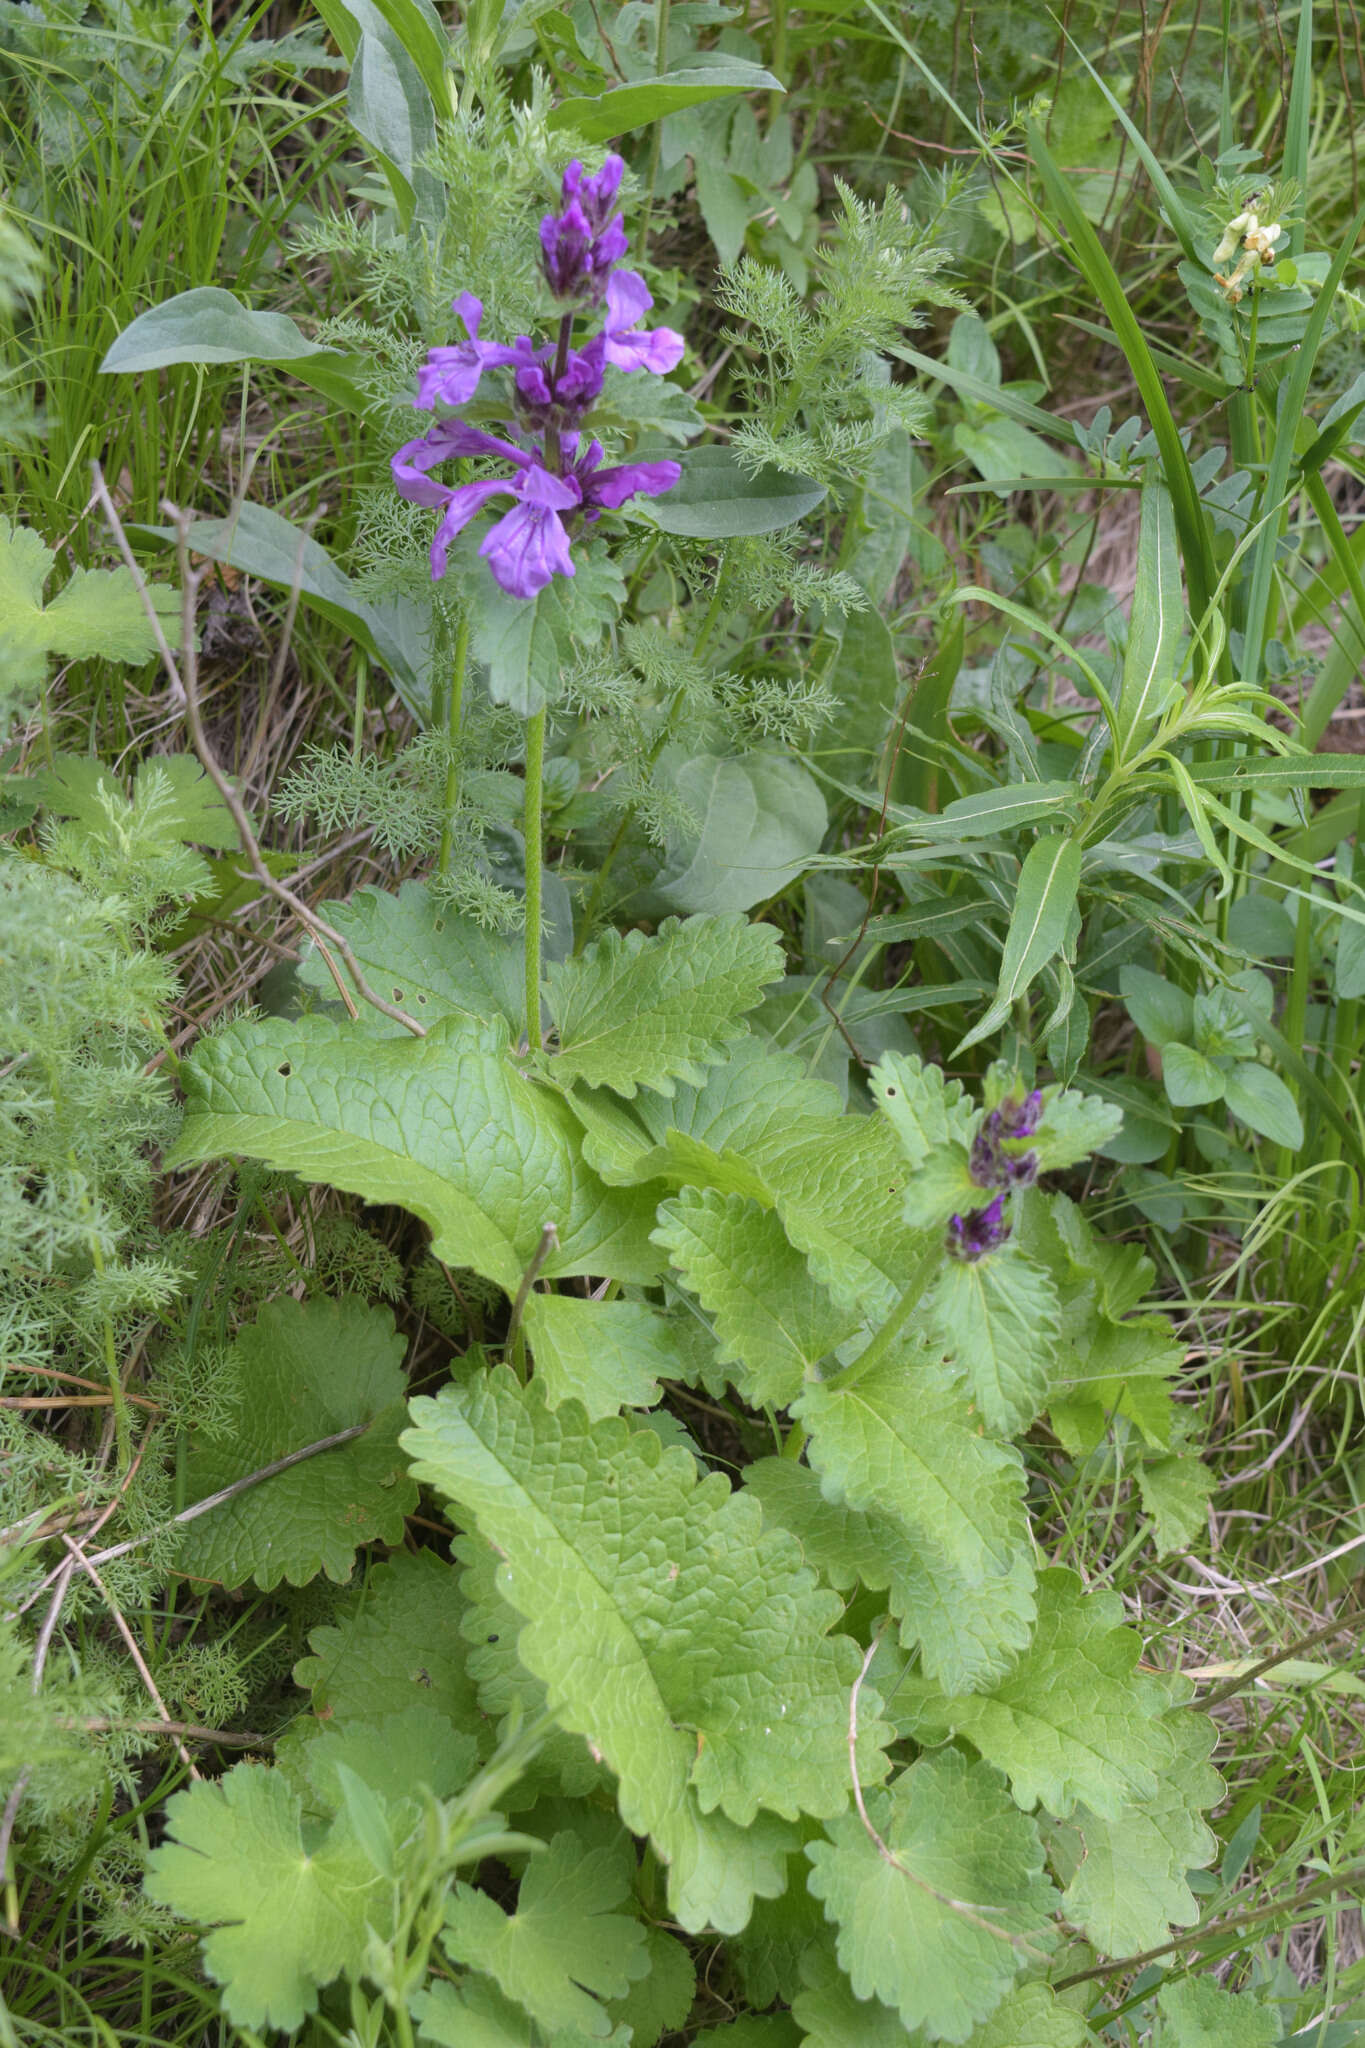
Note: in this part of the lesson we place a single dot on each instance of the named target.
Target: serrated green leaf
(305, 1371)
(393, 1755)
(999, 1320)
(754, 1094)
(564, 1763)
(832, 2017)
(726, 1690)
(638, 1012)
(773, 1320)
(445, 1126)
(923, 1107)
(1175, 1493)
(659, 2003)
(941, 1933)
(478, 2016)
(933, 1122)
(1129, 1889)
(1197, 2013)
(607, 1354)
(1074, 1721)
(400, 1644)
(900, 1442)
(190, 808)
(1072, 1127)
(856, 1547)
(285, 1918)
(98, 614)
(566, 1946)
(425, 957)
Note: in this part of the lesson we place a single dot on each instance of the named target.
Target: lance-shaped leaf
(637, 1012)
(1043, 907)
(1152, 660)
(1074, 1721)
(941, 1932)
(209, 325)
(607, 1354)
(900, 1442)
(773, 1320)
(286, 1915)
(1130, 1887)
(999, 1320)
(687, 1643)
(565, 1942)
(446, 1126)
(305, 1371)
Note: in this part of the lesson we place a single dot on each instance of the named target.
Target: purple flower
(581, 246)
(659, 350)
(992, 1165)
(450, 376)
(977, 1232)
(530, 544)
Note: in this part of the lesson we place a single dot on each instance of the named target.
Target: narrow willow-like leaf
(1156, 629)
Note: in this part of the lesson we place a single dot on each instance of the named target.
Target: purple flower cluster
(997, 1163)
(556, 483)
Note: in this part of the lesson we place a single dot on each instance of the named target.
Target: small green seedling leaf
(1262, 1100)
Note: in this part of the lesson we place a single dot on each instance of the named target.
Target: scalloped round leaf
(399, 1644)
(941, 1932)
(306, 1370)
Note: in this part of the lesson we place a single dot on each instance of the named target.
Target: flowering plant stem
(535, 766)
(454, 715)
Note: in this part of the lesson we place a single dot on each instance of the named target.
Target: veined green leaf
(209, 325)
(1048, 882)
(690, 1645)
(445, 1126)
(929, 1929)
(901, 1442)
(607, 1354)
(637, 1012)
(717, 498)
(1156, 630)
(644, 100)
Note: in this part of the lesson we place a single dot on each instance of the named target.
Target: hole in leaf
(285, 1069)
(398, 995)
(421, 998)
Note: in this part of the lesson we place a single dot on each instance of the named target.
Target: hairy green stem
(535, 769)
(921, 1278)
(656, 141)
(454, 718)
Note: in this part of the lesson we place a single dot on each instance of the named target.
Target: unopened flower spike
(978, 1231)
(557, 486)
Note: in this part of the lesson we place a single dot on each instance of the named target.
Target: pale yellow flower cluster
(1258, 247)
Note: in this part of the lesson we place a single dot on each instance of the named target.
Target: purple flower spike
(596, 195)
(979, 1231)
